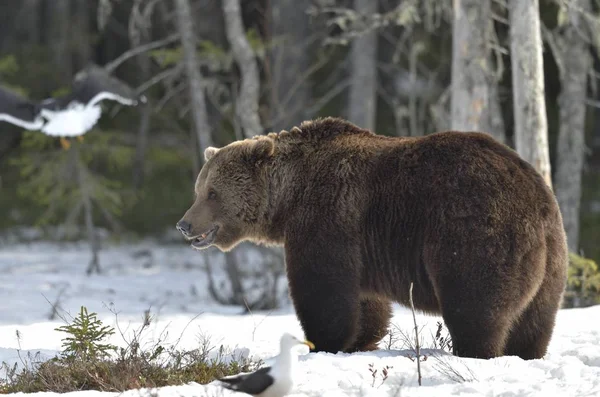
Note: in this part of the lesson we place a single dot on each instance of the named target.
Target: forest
(215, 71)
(101, 293)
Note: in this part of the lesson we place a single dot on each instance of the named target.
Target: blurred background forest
(213, 75)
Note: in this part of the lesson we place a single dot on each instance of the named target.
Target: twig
(112, 65)
(418, 348)
(159, 77)
(56, 305)
(328, 96)
(172, 92)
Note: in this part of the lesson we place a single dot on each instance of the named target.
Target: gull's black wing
(253, 383)
(94, 84)
(18, 110)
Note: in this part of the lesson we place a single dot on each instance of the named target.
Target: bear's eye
(212, 195)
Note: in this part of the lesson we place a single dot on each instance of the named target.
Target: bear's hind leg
(477, 314)
(475, 337)
(530, 335)
(375, 314)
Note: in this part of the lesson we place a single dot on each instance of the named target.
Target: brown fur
(361, 216)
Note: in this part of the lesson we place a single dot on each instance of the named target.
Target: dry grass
(64, 375)
(126, 368)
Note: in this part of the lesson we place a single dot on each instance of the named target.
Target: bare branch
(172, 92)
(332, 93)
(499, 18)
(165, 74)
(112, 65)
(593, 103)
(353, 24)
(555, 47)
(417, 346)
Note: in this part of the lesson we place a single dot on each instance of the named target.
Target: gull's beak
(309, 344)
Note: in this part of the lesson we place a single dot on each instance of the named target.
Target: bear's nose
(184, 227)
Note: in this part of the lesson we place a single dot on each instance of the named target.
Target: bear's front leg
(324, 287)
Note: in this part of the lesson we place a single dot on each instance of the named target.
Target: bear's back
(467, 168)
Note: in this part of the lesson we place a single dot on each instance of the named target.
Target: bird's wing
(18, 110)
(94, 84)
(253, 383)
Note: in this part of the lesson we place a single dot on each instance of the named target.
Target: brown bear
(473, 226)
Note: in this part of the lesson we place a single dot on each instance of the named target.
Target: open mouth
(205, 239)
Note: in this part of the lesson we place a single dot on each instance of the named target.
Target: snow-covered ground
(171, 283)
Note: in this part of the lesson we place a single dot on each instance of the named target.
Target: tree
(192, 70)
(574, 59)
(529, 103)
(474, 97)
(289, 61)
(59, 38)
(363, 57)
(248, 97)
(247, 103)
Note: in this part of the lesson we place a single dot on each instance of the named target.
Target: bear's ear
(262, 149)
(209, 152)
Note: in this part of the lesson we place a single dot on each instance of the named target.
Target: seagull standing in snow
(71, 115)
(273, 381)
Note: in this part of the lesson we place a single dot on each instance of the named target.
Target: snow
(170, 281)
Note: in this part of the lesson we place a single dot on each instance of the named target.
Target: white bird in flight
(71, 115)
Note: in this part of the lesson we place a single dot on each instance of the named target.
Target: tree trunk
(192, 70)
(59, 38)
(249, 93)
(289, 60)
(497, 127)
(30, 18)
(529, 103)
(198, 109)
(474, 101)
(88, 210)
(81, 26)
(139, 36)
(363, 86)
(576, 62)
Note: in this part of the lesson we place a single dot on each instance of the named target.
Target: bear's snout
(184, 227)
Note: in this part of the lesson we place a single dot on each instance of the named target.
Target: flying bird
(18, 110)
(273, 381)
(70, 115)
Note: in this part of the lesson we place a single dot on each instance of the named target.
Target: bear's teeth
(203, 235)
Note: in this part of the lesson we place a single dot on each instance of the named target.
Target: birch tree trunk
(192, 70)
(529, 103)
(249, 93)
(198, 108)
(575, 59)
(474, 101)
(363, 87)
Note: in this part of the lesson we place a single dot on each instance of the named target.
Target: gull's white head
(288, 341)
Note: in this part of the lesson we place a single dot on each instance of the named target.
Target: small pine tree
(87, 334)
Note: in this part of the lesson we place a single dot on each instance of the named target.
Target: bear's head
(230, 195)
